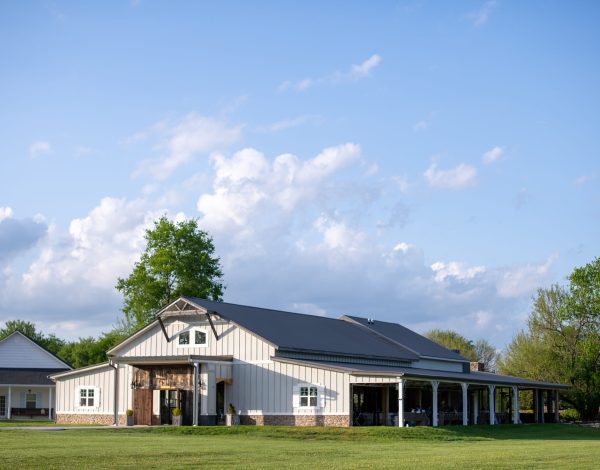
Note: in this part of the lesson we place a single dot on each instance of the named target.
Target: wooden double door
(143, 406)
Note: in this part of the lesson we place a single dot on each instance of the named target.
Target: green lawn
(531, 446)
(31, 423)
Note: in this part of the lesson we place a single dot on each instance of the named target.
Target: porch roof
(27, 376)
(184, 359)
(484, 378)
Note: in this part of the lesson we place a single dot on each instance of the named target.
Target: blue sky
(431, 163)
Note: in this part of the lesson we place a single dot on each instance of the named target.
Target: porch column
(8, 410)
(195, 407)
(401, 403)
(536, 413)
(492, 389)
(556, 413)
(515, 404)
(434, 416)
(540, 406)
(465, 387)
(475, 406)
(49, 402)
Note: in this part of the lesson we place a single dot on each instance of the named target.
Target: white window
(308, 397)
(30, 401)
(194, 337)
(88, 397)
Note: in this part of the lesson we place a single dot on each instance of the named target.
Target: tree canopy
(562, 340)
(480, 351)
(179, 259)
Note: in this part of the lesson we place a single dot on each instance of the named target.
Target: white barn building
(25, 389)
(292, 369)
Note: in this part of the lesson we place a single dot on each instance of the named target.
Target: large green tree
(480, 351)
(562, 340)
(179, 259)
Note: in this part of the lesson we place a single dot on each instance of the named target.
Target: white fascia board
(77, 371)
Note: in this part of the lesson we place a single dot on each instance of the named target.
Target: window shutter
(321, 395)
(77, 393)
(296, 396)
(97, 393)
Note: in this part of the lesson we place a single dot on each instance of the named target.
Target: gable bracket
(212, 325)
(164, 330)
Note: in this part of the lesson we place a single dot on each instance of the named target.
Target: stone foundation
(89, 419)
(296, 420)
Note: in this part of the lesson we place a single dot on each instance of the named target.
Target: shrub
(569, 415)
(231, 409)
(176, 411)
(129, 413)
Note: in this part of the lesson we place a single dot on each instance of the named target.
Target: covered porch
(26, 394)
(416, 401)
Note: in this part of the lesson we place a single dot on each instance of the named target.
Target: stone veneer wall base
(296, 420)
(89, 419)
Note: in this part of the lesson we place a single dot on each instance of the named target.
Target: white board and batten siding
(19, 352)
(271, 388)
(233, 341)
(100, 378)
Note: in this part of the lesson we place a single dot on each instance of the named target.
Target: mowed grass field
(528, 446)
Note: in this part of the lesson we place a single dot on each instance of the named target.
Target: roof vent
(370, 321)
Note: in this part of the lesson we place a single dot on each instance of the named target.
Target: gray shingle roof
(27, 376)
(293, 331)
(410, 339)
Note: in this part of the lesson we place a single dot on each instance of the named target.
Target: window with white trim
(308, 396)
(30, 401)
(88, 397)
(192, 338)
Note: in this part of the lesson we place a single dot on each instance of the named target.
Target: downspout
(115, 393)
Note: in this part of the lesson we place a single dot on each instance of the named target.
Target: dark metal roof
(410, 339)
(27, 376)
(300, 332)
(413, 372)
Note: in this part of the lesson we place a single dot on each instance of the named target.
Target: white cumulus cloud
(492, 155)
(481, 16)
(356, 72)
(179, 142)
(39, 148)
(455, 178)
